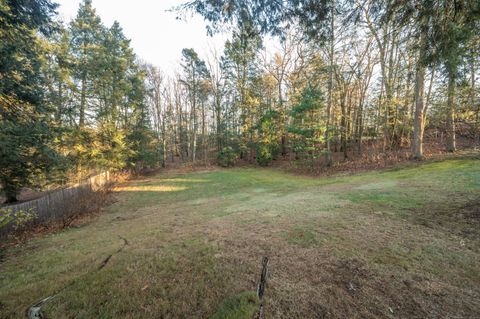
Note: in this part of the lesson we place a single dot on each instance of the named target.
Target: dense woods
(298, 80)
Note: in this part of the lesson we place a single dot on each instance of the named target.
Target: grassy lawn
(400, 243)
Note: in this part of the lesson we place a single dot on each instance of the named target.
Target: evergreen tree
(87, 32)
(140, 137)
(58, 72)
(24, 114)
(307, 132)
(116, 63)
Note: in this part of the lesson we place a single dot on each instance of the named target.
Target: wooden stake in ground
(261, 286)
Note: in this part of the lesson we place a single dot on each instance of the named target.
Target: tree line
(73, 97)
(296, 79)
(343, 75)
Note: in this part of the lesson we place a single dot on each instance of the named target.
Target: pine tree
(24, 114)
(140, 137)
(58, 72)
(307, 132)
(86, 37)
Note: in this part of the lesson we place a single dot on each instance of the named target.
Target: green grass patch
(241, 306)
(303, 237)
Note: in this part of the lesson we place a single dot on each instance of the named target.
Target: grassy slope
(390, 244)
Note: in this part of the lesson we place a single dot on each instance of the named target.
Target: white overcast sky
(157, 37)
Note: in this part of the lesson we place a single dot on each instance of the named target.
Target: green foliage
(239, 63)
(227, 157)
(25, 128)
(98, 92)
(19, 218)
(86, 32)
(144, 148)
(104, 148)
(268, 145)
(241, 306)
(264, 155)
(267, 16)
(306, 129)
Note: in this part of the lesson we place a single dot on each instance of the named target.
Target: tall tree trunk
(193, 123)
(83, 101)
(204, 135)
(343, 123)
(418, 124)
(164, 152)
(58, 112)
(328, 153)
(218, 117)
(451, 143)
(429, 93)
(360, 125)
(476, 133)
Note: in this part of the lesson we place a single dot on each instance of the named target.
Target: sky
(156, 35)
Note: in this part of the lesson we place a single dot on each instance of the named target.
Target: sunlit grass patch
(395, 199)
(181, 180)
(150, 188)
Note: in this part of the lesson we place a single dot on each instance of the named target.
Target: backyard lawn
(392, 244)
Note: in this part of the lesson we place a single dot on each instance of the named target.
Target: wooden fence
(62, 203)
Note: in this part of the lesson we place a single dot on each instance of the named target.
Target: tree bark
(451, 143)
(83, 101)
(418, 125)
(328, 153)
(419, 116)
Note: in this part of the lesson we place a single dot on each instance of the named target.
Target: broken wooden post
(263, 279)
(261, 285)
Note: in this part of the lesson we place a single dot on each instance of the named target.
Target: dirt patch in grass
(471, 211)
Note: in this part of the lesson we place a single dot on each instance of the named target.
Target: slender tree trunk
(164, 152)
(219, 123)
(429, 93)
(58, 113)
(204, 135)
(476, 133)
(343, 124)
(83, 101)
(360, 125)
(418, 124)
(328, 153)
(451, 143)
(194, 126)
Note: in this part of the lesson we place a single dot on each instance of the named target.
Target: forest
(298, 81)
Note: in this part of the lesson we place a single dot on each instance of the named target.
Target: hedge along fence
(62, 204)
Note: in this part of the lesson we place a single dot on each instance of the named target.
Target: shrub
(264, 154)
(19, 218)
(227, 157)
